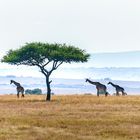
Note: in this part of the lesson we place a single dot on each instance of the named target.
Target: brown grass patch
(76, 117)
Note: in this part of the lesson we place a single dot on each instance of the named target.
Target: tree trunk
(48, 98)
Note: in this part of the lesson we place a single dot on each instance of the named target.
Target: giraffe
(19, 88)
(118, 89)
(100, 87)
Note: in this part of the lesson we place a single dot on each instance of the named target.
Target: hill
(119, 59)
(71, 86)
(109, 63)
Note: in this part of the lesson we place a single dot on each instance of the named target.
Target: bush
(34, 91)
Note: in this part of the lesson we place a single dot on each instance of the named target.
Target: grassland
(76, 117)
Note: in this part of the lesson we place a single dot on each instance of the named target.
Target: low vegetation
(33, 91)
(73, 117)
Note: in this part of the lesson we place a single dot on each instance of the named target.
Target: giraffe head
(11, 81)
(86, 80)
(109, 83)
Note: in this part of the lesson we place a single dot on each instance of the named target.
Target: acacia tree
(48, 57)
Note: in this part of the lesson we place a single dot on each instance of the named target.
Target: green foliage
(44, 54)
(38, 53)
(34, 91)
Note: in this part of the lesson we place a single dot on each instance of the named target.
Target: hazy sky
(94, 25)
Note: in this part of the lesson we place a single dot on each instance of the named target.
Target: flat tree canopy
(48, 57)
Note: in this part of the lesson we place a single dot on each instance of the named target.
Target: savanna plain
(70, 117)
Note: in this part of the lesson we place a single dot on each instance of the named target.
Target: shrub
(34, 91)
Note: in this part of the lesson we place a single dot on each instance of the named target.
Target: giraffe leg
(98, 93)
(106, 93)
(22, 95)
(117, 93)
(123, 93)
(17, 94)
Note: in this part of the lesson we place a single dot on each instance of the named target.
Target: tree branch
(46, 63)
(59, 64)
(55, 66)
(43, 70)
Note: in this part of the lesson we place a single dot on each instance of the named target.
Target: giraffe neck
(91, 82)
(113, 84)
(16, 83)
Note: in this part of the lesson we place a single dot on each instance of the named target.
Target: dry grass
(83, 117)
